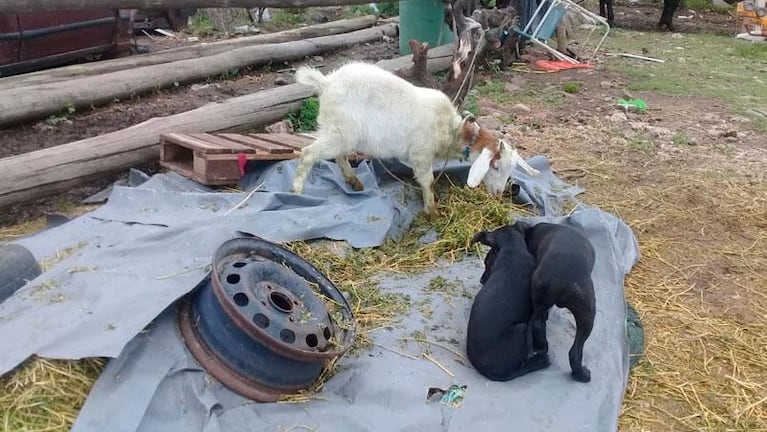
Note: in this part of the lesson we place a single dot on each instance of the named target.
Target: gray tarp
(128, 268)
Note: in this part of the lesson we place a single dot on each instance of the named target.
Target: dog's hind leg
(540, 343)
(541, 305)
(584, 315)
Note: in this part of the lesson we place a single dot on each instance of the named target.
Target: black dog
(563, 277)
(496, 342)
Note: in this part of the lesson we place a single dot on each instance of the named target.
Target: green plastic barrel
(422, 20)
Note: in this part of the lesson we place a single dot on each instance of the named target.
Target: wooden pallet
(212, 159)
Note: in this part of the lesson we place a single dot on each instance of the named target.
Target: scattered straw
(463, 212)
(439, 365)
(45, 395)
(441, 345)
(411, 357)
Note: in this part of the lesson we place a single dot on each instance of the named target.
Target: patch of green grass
(67, 113)
(384, 10)
(493, 90)
(449, 289)
(550, 97)
(471, 103)
(201, 24)
(681, 139)
(289, 16)
(389, 9)
(358, 10)
(230, 74)
(707, 5)
(698, 65)
(571, 87)
(641, 144)
(305, 119)
(752, 51)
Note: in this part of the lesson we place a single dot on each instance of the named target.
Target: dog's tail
(311, 77)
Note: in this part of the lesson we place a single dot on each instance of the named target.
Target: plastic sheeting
(148, 246)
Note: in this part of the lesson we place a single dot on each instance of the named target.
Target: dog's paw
(582, 375)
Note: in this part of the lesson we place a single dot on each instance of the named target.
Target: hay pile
(44, 395)
(701, 289)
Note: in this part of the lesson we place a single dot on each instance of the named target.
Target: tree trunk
(30, 103)
(11, 6)
(183, 53)
(418, 73)
(57, 169)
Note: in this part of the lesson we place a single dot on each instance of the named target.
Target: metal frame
(593, 18)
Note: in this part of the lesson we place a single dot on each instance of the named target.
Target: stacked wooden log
(39, 100)
(57, 169)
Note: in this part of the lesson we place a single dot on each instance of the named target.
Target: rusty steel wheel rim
(265, 321)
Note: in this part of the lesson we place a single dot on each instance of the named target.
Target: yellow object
(753, 14)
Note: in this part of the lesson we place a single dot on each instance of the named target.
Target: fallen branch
(184, 53)
(636, 57)
(417, 74)
(31, 103)
(57, 169)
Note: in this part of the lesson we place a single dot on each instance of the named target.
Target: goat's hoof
(583, 374)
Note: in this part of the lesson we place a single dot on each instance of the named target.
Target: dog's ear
(484, 237)
(522, 227)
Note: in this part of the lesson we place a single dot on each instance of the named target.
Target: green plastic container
(422, 20)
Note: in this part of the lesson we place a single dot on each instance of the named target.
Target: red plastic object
(558, 65)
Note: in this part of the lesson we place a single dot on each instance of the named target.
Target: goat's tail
(312, 77)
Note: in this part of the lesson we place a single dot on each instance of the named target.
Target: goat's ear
(468, 117)
(479, 168)
(502, 146)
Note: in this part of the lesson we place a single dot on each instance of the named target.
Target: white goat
(368, 110)
(494, 166)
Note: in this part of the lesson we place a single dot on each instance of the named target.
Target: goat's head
(486, 151)
(499, 170)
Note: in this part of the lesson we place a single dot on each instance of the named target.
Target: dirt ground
(638, 16)
(688, 176)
